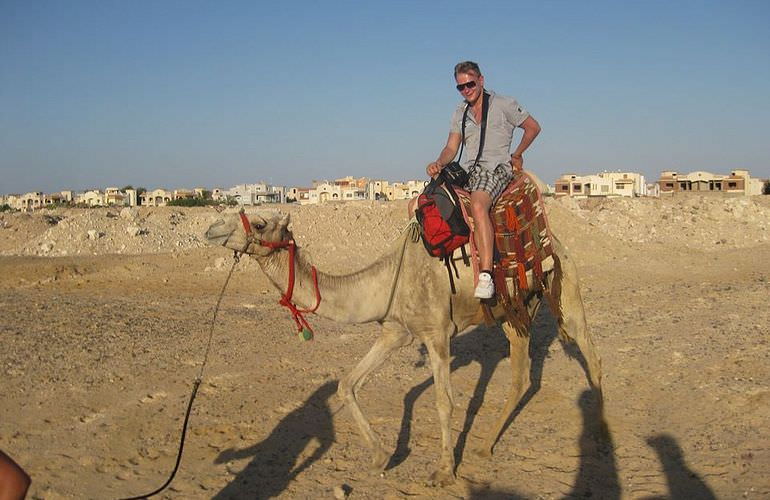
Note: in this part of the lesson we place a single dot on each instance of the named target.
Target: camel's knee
(345, 391)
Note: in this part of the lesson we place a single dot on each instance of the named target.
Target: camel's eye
(259, 226)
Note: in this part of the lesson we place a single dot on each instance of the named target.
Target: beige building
(156, 198)
(114, 196)
(603, 184)
(344, 189)
(384, 190)
(298, 194)
(160, 197)
(13, 200)
(36, 200)
(738, 182)
(31, 201)
(92, 198)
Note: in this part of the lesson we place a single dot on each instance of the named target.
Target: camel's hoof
(483, 452)
(379, 461)
(441, 478)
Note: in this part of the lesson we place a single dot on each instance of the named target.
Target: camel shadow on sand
(276, 460)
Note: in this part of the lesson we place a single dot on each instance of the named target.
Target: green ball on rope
(305, 334)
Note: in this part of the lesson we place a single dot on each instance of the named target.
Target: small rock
(129, 213)
(93, 234)
(133, 230)
(340, 493)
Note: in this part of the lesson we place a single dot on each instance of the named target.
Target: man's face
(470, 85)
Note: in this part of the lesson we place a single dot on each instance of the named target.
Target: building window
(577, 187)
(732, 185)
(564, 187)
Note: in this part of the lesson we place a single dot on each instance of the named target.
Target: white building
(602, 184)
(251, 194)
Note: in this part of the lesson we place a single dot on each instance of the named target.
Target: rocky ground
(105, 315)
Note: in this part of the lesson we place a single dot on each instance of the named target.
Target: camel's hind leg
(393, 336)
(567, 305)
(520, 368)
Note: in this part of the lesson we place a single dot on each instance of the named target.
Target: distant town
(603, 184)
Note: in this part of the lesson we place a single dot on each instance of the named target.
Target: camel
(407, 292)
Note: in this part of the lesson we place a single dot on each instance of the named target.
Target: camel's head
(231, 233)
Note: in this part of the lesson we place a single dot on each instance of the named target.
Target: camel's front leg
(393, 336)
(438, 348)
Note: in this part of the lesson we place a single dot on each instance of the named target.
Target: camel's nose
(217, 232)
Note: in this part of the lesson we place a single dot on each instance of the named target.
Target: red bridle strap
(285, 301)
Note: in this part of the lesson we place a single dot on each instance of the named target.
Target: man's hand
(517, 162)
(433, 169)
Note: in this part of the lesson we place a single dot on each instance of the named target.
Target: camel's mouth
(218, 233)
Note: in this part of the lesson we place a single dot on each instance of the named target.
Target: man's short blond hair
(467, 67)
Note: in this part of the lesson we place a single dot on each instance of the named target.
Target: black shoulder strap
(484, 113)
(462, 141)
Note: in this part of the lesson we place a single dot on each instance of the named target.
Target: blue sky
(202, 93)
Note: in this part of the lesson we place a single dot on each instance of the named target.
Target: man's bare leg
(480, 204)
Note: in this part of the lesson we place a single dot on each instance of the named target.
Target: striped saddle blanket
(523, 241)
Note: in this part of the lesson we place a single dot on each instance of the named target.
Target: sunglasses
(468, 85)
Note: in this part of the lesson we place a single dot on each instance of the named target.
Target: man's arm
(531, 129)
(447, 154)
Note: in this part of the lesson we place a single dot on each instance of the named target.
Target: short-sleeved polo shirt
(504, 115)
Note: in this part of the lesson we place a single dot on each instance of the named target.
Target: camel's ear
(285, 220)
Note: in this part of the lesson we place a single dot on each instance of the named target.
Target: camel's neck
(355, 298)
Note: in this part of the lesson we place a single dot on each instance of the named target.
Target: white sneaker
(486, 287)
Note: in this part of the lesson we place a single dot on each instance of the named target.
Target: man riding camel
(494, 169)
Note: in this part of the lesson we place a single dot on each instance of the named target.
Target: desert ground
(105, 315)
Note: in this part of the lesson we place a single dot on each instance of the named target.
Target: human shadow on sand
(683, 482)
(487, 347)
(597, 475)
(274, 464)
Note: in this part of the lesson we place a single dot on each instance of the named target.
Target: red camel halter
(285, 301)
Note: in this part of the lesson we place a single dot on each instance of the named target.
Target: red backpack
(442, 225)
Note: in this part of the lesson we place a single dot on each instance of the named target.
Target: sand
(105, 314)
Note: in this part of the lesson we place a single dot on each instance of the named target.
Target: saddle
(523, 247)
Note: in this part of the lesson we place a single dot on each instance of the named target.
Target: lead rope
(412, 234)
(196, 384)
